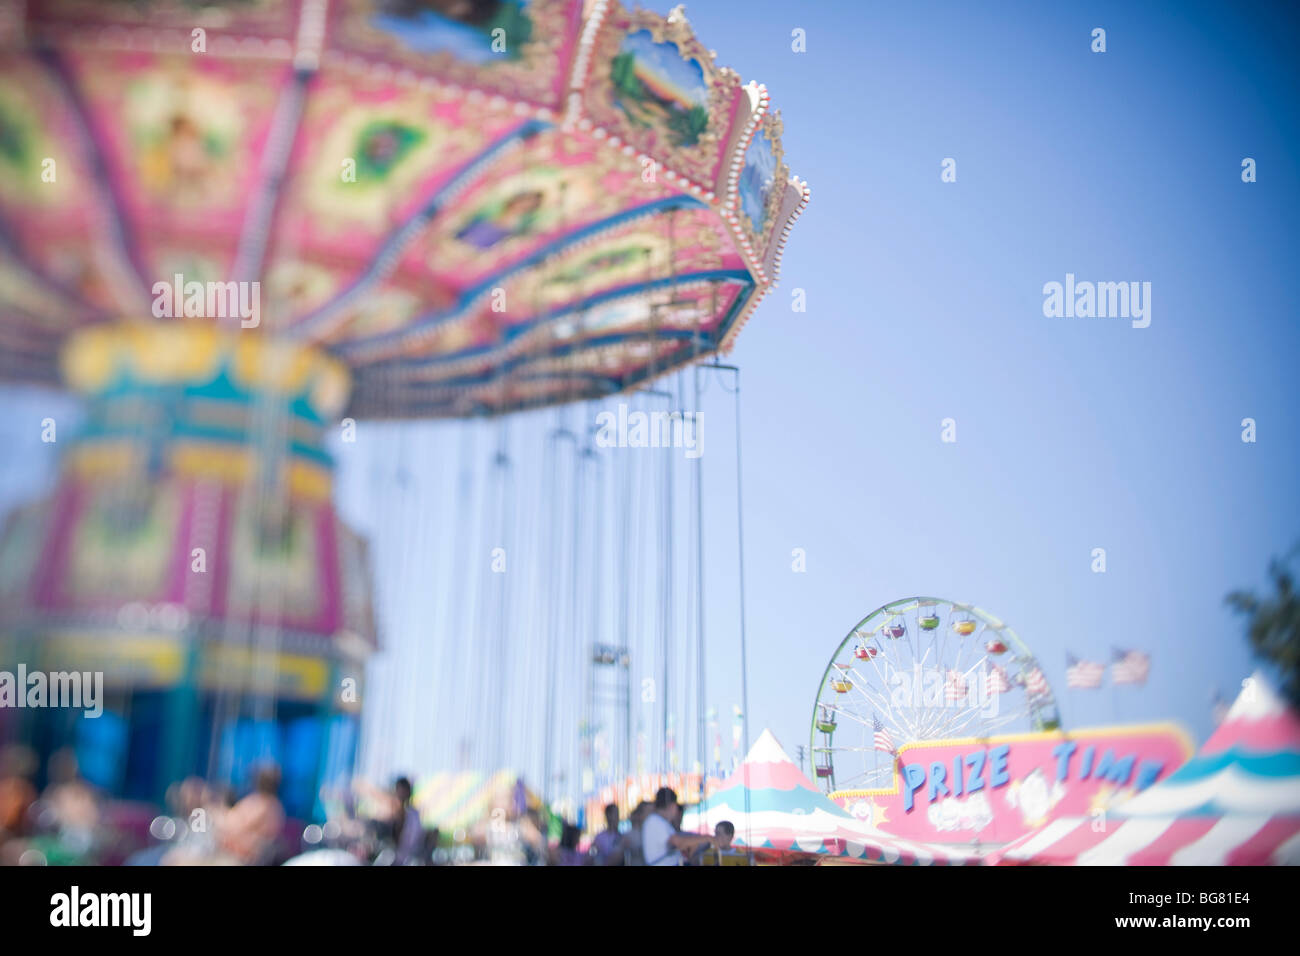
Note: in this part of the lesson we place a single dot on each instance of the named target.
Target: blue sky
(925, 302)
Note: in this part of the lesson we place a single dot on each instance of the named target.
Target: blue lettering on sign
(1116, 771)
(1108, 768)
(998, 775)
(975, 770)
(913, 780)
(1148, 770)
(1086, 770)
(937, 786)
(1063, 752)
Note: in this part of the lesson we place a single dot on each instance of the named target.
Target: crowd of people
(654, 838)
(70, 821)
(60, 824)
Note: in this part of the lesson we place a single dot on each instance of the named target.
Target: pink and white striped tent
(776, 809)
(1236, 803)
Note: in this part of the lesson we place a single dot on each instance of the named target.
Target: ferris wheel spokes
(923, 669)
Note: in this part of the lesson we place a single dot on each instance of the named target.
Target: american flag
(995, 682)
(883, 740)
(1130, 667)
(954, 686)
(1035, 683)
(1084, 674)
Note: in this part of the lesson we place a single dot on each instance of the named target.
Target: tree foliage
(1273, 623)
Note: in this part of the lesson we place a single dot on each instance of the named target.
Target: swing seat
(964, 628)
(842, 686)
(929, 622)
(995, 647)
(825, 771)
(826, 726)
(893, 630)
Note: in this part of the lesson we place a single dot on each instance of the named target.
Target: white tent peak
(767, 749)
(1256, 700)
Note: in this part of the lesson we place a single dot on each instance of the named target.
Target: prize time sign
(994, 789)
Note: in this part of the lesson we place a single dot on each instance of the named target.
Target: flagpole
(875, 756)
(1114, 704)
(1068, 660)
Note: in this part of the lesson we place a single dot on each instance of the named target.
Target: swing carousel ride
(921, 669)
(242, 234)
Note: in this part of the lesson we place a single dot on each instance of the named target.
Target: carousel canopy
(1236, 802)
(773, 806)
(477, 205)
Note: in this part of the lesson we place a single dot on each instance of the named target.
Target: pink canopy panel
(479, 205)
(1235, 803)
(1237, 840)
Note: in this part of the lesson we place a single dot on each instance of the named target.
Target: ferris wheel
(921, 669)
